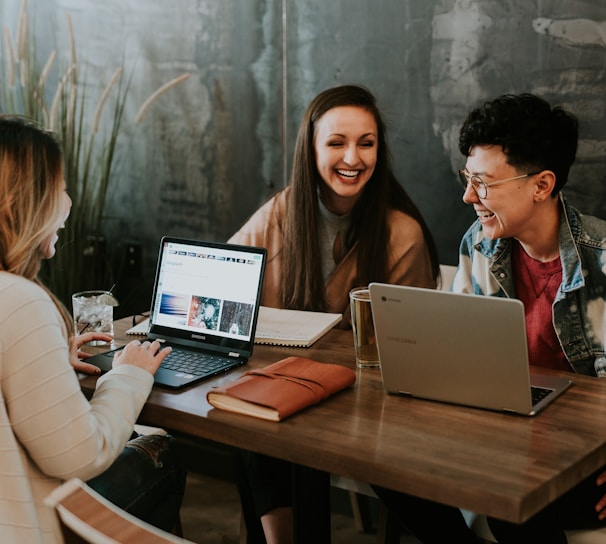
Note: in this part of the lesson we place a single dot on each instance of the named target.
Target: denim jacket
(579, 309)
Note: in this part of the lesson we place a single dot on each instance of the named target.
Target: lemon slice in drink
(108, 299)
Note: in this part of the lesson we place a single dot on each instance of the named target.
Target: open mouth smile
(348, 174)
(484, 214)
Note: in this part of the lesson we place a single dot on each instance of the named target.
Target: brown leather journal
(281, 389)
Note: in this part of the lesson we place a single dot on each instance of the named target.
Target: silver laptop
(205, 305)
(461, 349)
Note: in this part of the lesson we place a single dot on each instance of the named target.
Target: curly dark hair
(533, 135)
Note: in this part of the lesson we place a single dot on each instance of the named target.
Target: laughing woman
(49, 432)
(343, 221)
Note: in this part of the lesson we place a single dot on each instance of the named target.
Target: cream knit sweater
(49, 432)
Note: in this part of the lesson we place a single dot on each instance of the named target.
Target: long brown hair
(303, 286)
(31, 187)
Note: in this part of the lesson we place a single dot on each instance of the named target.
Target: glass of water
(94, 312)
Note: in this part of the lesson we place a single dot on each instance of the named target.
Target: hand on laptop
(146, 355)
(76, 355)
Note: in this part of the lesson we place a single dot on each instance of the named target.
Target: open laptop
(458, 348)
(205, 305)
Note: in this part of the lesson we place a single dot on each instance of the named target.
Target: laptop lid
(457, 348)
(206, 295)
(205, 301)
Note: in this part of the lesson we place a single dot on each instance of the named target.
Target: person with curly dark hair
(528, 243)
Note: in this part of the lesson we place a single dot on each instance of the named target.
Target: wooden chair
(447, 272)
(387, 529)
(87, 517)
(594, 536)
(480, 527)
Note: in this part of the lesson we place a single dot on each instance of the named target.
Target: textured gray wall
(216, 147)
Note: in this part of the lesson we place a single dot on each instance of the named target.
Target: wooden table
(500, 465)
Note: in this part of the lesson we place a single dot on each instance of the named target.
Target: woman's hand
(146, 355)
(76, 354)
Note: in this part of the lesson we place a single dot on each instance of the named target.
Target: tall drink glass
(363, 328)
(93, 312)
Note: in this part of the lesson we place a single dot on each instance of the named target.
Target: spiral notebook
(296, 328)
(279, 327)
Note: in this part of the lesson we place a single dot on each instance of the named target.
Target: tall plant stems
(83, 260)
(89, 136)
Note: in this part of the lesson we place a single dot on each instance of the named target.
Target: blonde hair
(31, 187)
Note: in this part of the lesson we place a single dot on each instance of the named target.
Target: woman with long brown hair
(343, 221)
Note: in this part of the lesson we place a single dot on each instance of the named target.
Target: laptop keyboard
(538, 393)
(195, 363)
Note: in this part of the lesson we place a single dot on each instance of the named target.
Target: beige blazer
(408, 264)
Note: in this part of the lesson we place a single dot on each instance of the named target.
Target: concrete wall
(216, 147)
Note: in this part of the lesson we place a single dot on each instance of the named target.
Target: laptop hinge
(233, 354)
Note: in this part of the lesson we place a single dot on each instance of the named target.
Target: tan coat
(408, 264)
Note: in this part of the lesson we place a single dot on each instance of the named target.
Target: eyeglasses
(480, 186)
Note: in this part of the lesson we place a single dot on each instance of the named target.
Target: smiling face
(345, 144)
(508, 209)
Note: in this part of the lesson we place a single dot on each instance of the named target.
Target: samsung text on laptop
(458, 348)
(205, 305)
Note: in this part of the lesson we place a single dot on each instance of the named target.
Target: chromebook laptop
(458, 348)
(205, 305)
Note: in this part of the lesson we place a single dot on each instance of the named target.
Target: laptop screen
(207, 294)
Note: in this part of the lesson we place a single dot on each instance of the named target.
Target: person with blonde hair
(49, 431)
(343, 221)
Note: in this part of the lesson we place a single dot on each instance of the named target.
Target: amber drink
(363, 328)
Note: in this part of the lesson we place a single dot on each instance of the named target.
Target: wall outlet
(133, 260)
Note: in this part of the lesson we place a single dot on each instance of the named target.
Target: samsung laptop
(458, 348)
(205, 305)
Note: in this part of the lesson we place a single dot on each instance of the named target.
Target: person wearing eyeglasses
(528, 243)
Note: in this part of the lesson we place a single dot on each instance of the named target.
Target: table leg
(311, 503)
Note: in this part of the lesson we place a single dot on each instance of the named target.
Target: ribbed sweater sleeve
(64, 434)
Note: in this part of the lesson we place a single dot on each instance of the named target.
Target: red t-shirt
(536, 285)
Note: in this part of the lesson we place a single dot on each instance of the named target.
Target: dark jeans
(573, 510)
(264, 483)
(146, 480)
